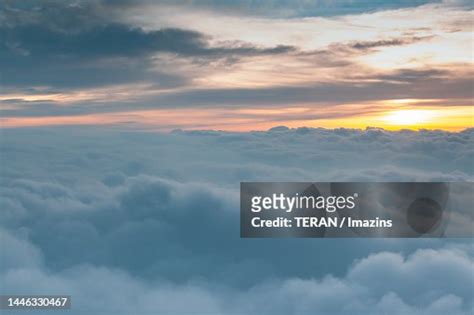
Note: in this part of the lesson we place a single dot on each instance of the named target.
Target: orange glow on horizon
(453, 118)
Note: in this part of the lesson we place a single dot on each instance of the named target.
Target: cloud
(414, 273)
(21, 253)
(410, 288)
(85, 58)
(114, 40)
(386, 43)
(129, 192)
(131, 221)
(42, 47)
(142, 220)
(294, 9)
(320, 98)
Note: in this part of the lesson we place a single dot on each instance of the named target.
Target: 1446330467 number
(35, 302)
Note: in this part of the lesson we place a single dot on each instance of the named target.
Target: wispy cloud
(92, 58)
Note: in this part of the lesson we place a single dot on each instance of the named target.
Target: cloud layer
(143, 221)
(408, 287)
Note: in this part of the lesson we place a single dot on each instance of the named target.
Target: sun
(408, 117)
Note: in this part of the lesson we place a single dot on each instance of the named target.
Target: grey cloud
(289, 9)
(171, 191)
(104, 289)
(363, 45)
(61, 16)
(118, 40)
(444, 86)
(19, 252)
(155, 216)
(339, 54)
(67, 45)
(42, 46)
(417, 85)
(411, 284)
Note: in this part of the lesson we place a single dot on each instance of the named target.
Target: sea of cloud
(133, 222)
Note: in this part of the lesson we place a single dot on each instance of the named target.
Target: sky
(126, 128)
(251, 65)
